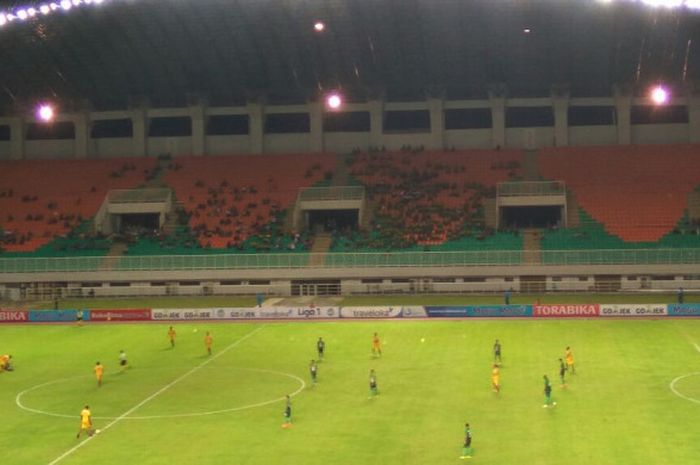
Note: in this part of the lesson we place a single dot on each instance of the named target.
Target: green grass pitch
(618, 408)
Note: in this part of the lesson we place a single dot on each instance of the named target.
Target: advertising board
(633, 310)
(46, 316)
(684, 310)
(370, 312)
(566, 310)
(13, 316)
(116, 315)
(476, 311)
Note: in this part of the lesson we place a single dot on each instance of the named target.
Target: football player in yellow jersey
(496, 378)
(5, 363)
(570, 361)
(208, 341)
(171, 336)
(99, 371)
(85, 421)
(376, 346)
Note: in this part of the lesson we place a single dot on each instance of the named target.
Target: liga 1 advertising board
(479, 311)
(566, 311)
(633, 310)
(370, 312)
(116, 315)
(684, 310)
(247, 313)
(13, 316)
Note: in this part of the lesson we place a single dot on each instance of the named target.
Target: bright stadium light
(659, 95)
(319, 26)
(334, 101)
(66, 5)
(45, 113)
(3, 19)
(45, 9)
(22, 14)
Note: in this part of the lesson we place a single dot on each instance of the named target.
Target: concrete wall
(659, 134)
(434, 138)
(592, 135)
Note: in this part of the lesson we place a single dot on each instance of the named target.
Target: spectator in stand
(681, 295)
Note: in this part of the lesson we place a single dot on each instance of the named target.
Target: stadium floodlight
(31, 12)
(76, 2)
(22, 14)
(3, 19)
(66, 5)
(45, 9)
(334, 101)
(319, 26)
(54, 6)
(659, 95)
(45, 113)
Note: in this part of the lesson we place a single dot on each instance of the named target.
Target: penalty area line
(154, 395)
(697, 347)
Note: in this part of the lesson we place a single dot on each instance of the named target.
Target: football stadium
(349, 231)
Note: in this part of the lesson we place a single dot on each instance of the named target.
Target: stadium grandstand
(352, 147)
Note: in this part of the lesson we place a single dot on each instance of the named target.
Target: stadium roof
(168, 52)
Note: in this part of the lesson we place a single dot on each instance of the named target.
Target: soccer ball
(97, 431)
(194, 330)
(422, 339)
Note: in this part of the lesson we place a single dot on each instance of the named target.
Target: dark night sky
(234, 50)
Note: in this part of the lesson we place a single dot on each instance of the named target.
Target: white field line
(697, 347)
(154, 395)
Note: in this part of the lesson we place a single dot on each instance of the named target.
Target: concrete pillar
(560, 105)
(316, 127)
(498, 120)
(623, 117)
(81, 121)
(199, 128)
(376, 122)
(694, 118)
(437, 124)
(139, 122)
(256, 127)
(17, 138)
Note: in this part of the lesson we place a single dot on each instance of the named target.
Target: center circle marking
(680, 394)
(302, 385)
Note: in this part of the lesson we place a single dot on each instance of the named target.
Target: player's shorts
(376, 345)
(122, 363)
(496, 381)
(84, 425)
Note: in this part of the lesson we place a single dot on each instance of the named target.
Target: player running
(562, 373)
(208, 341)
(467, 448)
(570, 361)
(288, 414)
(376, 346)
(313, 369)
(496, 378)
(85, 421)
(497, 352)
(171, 336)
(373, 390)
(5, 363)
(320, 348)
(99, 371)
(548, 393)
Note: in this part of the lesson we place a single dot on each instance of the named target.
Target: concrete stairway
(572, 213)
(530, 166)
(531, 247)
(322, 244)
(110, 260)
